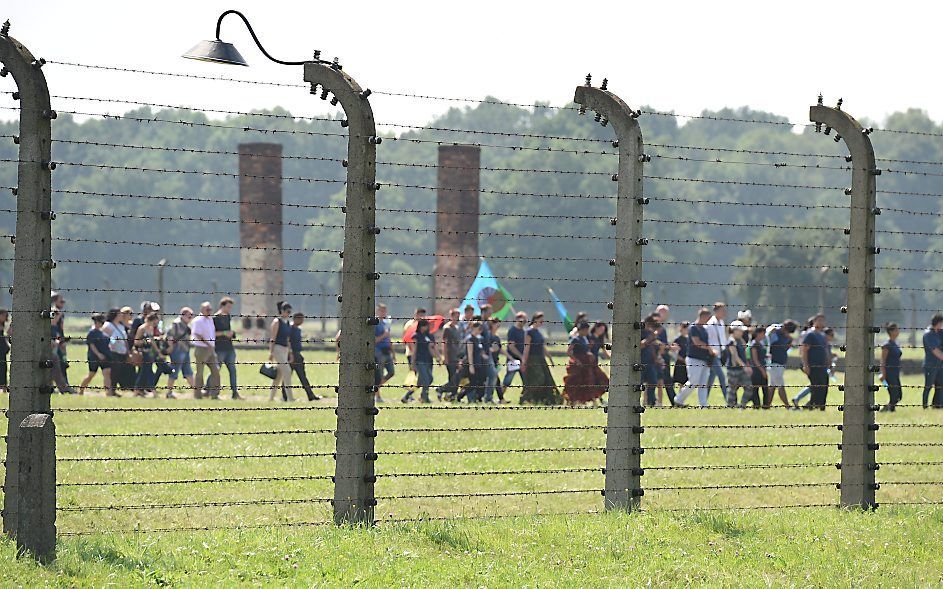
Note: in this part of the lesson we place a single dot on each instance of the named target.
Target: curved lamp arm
(219, 24)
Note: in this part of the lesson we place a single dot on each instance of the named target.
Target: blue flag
(486, 290)
(564, 316)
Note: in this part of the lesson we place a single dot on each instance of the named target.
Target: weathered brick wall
(456, 253)
(260, 234)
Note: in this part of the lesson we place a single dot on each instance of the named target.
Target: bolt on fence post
(354, 477)
(623, 489)
(857, 448)
(30, 359)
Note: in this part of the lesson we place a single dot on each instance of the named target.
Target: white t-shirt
(716, 333)
(203, 326)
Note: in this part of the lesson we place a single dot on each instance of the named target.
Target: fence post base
(36, 525)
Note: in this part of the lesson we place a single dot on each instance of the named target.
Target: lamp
(219, 51)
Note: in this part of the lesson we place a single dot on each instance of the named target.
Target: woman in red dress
(584, 381)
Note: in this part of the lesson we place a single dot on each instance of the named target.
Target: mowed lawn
(269, 470)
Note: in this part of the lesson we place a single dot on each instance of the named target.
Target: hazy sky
(685, 56)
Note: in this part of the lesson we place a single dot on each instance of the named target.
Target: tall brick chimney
(456, 261)
(260, 237)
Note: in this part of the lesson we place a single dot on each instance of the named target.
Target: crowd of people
(748, 362)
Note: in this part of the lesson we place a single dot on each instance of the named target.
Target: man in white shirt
(203, 340)
(717, 339)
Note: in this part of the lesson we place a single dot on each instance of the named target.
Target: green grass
(813, 547)
(540, 547)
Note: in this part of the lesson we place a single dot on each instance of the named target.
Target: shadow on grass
(91, 552)
(448, 535)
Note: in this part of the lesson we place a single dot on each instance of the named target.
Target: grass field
(129, 494)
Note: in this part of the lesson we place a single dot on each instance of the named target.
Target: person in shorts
(98, 356)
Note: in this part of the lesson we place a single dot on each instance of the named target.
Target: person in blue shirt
(932, 361)
(699, 359)
(97, 343)
(295, 338)
(815, 362)
(539, 385)
(515, 349)
(890, 366)
(424, 351)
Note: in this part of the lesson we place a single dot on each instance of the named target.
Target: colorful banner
(486, 290)
(564, 316)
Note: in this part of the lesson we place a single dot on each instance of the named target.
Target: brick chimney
(456, 261)
(260, 237)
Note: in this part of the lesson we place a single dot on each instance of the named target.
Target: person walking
(651, 361)
(296, 338)
(478, 358)
(890, 367)
(97, 343)
(514, 349)
(117, 332)
(452, 353)
(225, 351)
(664, 313)
(599, 340)
(145, 341)
(383, 352)
(584, 381)
(409, 340)
(280, 352)
(760, 378)
(539, 386)
(779, 339)
(739, 371)
(425, 351)
(178, 350)
(680, 375)
(58, 334)
(699, 359)
(932, 361)
(203, 343)
(494, 344)
(717, 338)
(57, 369)
(815, 362)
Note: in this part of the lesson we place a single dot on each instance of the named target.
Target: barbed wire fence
(123, 467)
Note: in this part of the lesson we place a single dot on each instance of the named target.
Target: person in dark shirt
(425, 351)
(225, 352)
(584, 381)
(779, 338)
(932, 361)
(515, 349)
(539, 386)
(760, 378)
(680, 375)
(97, 343)
(295, 339)
(890, 366)
(815, 363)
(478, 358)
(651, 361)
(698, 361)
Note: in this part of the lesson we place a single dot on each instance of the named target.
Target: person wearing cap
(746, 317)
(584, 381)
(739, 373)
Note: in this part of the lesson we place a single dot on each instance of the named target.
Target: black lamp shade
(216, 52)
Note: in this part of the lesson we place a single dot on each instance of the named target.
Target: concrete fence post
(858, 464)
(354, 476)
(623, 488)
(31, 354)
(36, 524)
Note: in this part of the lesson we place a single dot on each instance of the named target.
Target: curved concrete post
(31, 353)
(858, 427)
(623, 488)
(354, 460)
